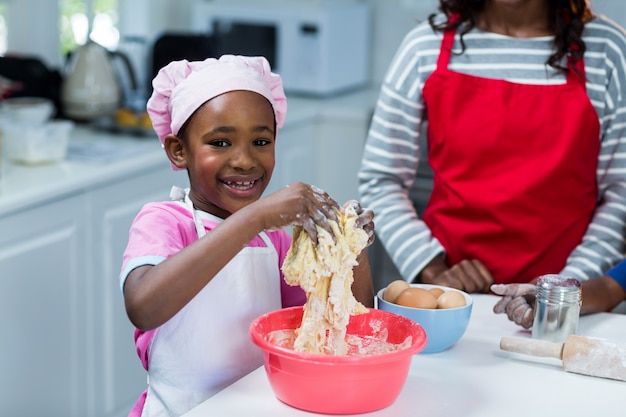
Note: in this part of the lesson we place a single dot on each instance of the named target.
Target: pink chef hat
(181, 87)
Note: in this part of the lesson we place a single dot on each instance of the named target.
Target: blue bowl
(444, 327)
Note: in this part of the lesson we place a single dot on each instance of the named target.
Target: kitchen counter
(473, 378)
(94, 157)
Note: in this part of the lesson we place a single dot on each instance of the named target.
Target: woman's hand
(468, 275)
(518, 302)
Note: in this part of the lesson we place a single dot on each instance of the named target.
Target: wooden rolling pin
(581, 355)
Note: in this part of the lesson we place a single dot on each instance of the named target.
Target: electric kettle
(91, 87)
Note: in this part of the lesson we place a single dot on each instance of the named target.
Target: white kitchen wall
(35, 33)
(613, 9)
(148, 18)
(31, 25)
(393, 19)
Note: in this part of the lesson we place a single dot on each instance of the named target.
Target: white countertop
(109, 156)
(473, 378)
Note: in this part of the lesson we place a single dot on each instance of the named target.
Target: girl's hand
(298, 204)
(365, 220)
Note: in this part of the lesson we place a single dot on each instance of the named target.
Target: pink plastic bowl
(331, 384)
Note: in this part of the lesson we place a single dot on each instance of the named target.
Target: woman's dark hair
(567, 20)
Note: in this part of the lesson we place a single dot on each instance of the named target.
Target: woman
(526, 122)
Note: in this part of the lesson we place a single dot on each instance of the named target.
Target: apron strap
(177, 193)
(576, 70)
(182, 194)
(266, 239)
(447, 44)
(200, 230)
(446, 49)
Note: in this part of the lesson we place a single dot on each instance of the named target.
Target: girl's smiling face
(228, 151)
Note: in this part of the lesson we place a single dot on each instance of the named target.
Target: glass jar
(558, 302)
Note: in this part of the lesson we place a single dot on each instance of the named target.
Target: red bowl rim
(416, 345)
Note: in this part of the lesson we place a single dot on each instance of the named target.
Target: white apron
(205, 346)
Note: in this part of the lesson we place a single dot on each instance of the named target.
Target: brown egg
(394, 289)
(436, 291)
(451, 299)
(417, 298)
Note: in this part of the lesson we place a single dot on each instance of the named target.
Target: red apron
(515, 169)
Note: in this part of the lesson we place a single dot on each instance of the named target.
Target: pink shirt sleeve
(159, 231)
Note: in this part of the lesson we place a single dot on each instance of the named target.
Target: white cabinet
(43, 299)
(118, 377)
(66, 344)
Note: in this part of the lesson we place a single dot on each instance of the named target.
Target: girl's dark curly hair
(567, 20)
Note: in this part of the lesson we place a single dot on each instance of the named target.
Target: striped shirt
(391, 154)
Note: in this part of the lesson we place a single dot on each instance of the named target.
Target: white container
(36, 144)
(30, 111)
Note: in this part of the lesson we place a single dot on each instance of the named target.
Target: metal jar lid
(558, 289)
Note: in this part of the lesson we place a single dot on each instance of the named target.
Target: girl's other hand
(365, 220)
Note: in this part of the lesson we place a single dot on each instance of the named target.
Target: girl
(199, 269)
(526, 114)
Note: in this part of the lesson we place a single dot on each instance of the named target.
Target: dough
(324, 271)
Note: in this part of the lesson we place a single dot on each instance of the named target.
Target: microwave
(318, 47)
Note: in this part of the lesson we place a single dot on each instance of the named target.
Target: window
(75, 23)
(3, 30)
